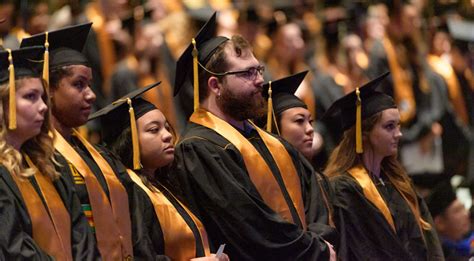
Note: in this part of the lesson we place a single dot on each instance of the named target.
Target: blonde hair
(344, 157)
(39, 148)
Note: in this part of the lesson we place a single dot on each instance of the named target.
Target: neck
(61, 128)
(148, 172)
(210, 105)
(372, 162)
(14, 141)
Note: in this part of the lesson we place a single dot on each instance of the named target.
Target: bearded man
(250, 189)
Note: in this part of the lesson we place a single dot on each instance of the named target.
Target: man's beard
(251, 106)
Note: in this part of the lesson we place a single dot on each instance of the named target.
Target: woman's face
(155, 139)
(72, 99)
(297, 128)
(385, 135)
(30, 110)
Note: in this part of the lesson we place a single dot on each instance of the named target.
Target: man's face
(240, 95)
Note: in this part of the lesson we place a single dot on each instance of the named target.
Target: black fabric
(16, 228)
(147, 238)
(365, 233)
(211, 175)
(440, 198)
(206, 45)
(65, 45)
(372, 102)
(187, 218)
(26, 61)
(115, 117)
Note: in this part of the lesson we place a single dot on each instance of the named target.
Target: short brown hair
(218, 61)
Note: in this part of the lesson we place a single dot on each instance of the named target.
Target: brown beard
(252, 106)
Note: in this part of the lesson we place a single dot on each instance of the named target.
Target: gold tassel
(12, 97)
(195, 75)
(46, 62)
(133, 125)
(270, 107)
(359, 148)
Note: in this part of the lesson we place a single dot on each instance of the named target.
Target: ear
(439, 223)
(214, 85)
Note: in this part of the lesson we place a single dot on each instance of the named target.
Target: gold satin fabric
(112, 219)
(180, 243)
(259, 172)
(360, 174)
(52, 226)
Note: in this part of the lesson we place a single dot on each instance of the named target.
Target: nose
(89, 95)
(42, 107)
(309, 128)
(398, 133)
(259, 79)
(167, 136)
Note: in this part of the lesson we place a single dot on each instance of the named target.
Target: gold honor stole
(111, 218)
(360, 174)
(259, 171)
(402, 84)
(180, 243)
(51, 223)
(446, 71)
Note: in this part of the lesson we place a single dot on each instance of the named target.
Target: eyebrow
(154, 122)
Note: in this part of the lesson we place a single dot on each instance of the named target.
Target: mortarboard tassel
(196, 76)
(12, 94)
(359, 148)
(133, 127)
(270, 107)
(46, 61)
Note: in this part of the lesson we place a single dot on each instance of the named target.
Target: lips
(169, 148)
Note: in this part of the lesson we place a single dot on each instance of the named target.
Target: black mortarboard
(206, 43)
(14, 65)
(64, 45)
(131, 21)
(440, 198)
(123, 113)
(350, 111)
(280, 95)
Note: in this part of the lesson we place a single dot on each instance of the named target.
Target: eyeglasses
(249, 74)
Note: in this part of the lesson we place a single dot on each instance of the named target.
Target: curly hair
(39, 148)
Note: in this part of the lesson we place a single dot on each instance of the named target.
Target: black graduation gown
(16, 238)
(212, 177)
(366, 235)
(147, 239)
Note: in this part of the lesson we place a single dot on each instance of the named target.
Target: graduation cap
(65, 45)
(14, 65)
(359, 105)
(280, 95)
(123, 113)
(138, 14)
(440, 198)
(198, 53)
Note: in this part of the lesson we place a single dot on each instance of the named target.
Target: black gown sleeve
(84, 246)
(220, 192)
(147, 236)
(16, 241)
(317, 196)
(365, 234)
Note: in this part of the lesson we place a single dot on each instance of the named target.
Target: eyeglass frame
(258, 70)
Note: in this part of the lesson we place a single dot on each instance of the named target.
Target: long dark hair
(344, 157)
